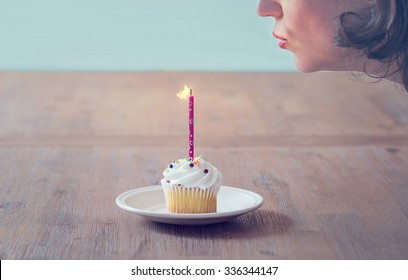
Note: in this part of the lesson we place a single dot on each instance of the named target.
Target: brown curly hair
(381, 32)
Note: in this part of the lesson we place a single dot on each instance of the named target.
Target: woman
(368, 36)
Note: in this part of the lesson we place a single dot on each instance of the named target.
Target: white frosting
(198, 173)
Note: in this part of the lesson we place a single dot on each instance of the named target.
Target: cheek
(314, 49)
(311, 29)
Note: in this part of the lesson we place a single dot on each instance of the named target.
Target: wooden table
(328, 154)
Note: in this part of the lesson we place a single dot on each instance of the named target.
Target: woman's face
(307, 28)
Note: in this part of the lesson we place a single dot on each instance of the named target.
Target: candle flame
(183, 94)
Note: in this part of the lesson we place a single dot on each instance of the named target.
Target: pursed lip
(281, 40)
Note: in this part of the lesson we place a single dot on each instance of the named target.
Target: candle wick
(191, 91)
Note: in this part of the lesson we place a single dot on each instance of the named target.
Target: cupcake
(191, 186)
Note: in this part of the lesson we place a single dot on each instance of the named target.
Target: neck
(375, 68)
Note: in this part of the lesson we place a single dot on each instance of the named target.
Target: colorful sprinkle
(205, 171)
(171, 165)
(191, 164)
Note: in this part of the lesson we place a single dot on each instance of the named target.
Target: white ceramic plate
(150, 203)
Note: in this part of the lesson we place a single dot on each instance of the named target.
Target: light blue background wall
(138, 35)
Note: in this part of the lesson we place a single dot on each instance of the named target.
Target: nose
(269, 8)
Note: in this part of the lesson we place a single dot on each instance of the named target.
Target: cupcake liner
(180, 199)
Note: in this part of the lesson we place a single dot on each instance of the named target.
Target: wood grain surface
(328, 153)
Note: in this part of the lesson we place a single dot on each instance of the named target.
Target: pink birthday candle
(191, 125)
(188, 92)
